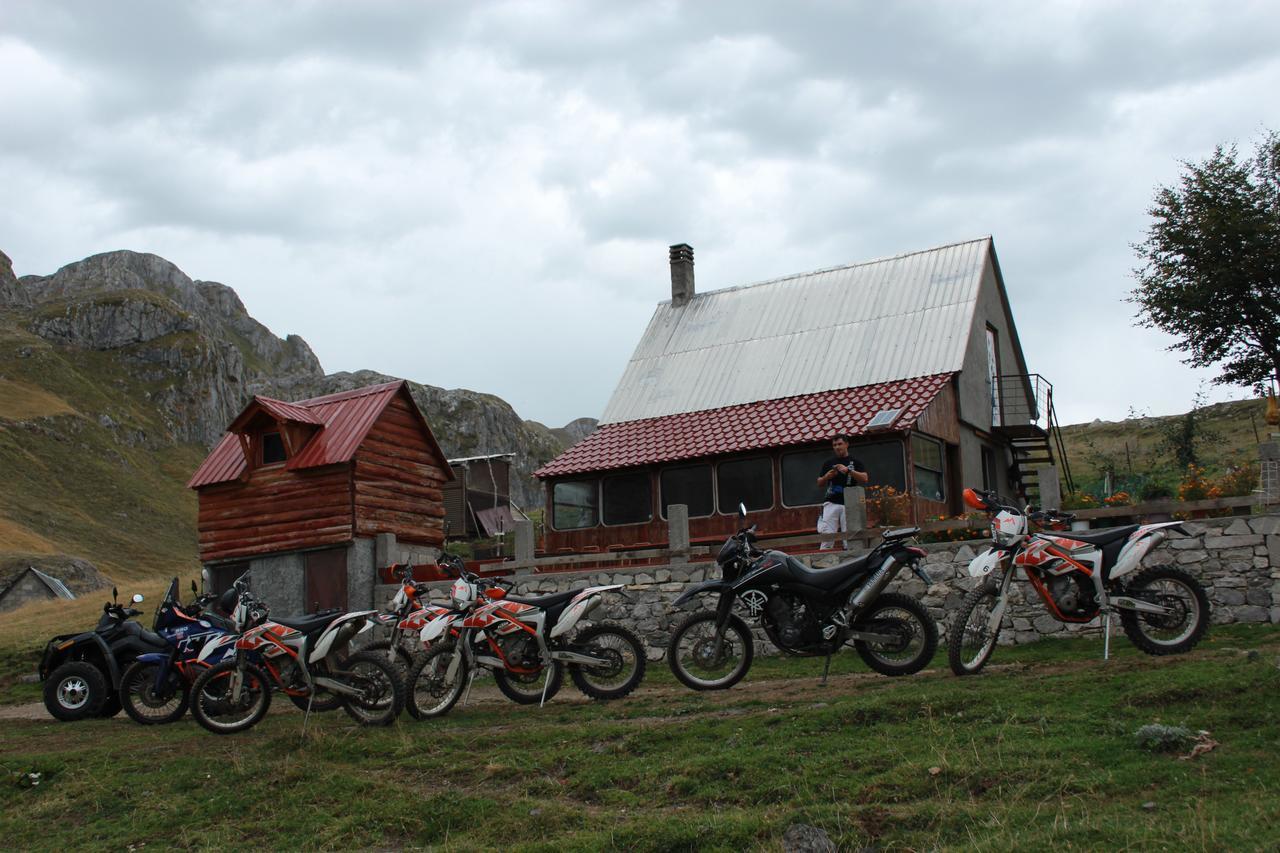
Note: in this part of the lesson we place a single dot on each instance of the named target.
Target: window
(989, 469)
(993, 375)
(272, 448)
(883, 461)
(926, 458)
(689, 485)
(800, 472)
(748, 481)
(628, 498)
(575, 504)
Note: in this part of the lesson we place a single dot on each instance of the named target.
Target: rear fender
(699, 588)
(340, 632)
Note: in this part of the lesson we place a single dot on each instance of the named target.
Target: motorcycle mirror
(206, 580)
(742, 510)
(137, 598)
(971, 499)
(115, 594)
(193, 585)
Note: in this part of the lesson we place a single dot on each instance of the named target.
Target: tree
(1211, 264)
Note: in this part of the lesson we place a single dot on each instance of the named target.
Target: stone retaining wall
(1237, 560)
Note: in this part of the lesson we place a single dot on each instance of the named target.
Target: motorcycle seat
(150, 638)
(832, 577)
(309, 623)
(546, 602)
(1098, 537)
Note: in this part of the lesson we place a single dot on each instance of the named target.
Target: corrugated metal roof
(844, 327)
(287, 411)
(751, 426)
(345, 419)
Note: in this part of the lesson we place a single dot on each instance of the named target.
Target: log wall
(397, 480)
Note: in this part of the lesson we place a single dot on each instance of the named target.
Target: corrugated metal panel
(845, 327)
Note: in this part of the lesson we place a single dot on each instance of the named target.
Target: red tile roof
(751, 426)
(344, 419)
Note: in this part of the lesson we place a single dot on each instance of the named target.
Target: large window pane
(883, 461)
(689, 485)
(628, 498)
(926, 457)
(574, 504)
(800, 471)
(749, 481)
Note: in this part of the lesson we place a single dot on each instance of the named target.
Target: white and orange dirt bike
(1079, 575)
(526, 641)
(304, 657)
(404, 617)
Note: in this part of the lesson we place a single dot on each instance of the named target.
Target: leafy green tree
(1211, 264)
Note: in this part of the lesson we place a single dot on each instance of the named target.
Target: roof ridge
(339, 396)
(835, 268)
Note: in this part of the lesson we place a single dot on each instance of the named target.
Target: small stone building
(317, 496)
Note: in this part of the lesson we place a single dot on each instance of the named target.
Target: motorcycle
(302, 657)
(1079, 576)
(154, 689)
(804, 612)
(405, 616)
(525, 642)
(81, 672)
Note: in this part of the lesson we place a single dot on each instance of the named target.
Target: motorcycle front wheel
(214, 707)
(1182, 627)
(622, 662)
(971, 640)
(141, 701)
(914, 635)
(530, 688)
(431, 693)
(381, 690)
(698, 663)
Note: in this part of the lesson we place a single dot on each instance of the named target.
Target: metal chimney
(681, 274)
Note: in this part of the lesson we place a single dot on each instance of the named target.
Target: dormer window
(272, 448)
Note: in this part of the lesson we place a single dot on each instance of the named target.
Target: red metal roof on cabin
(752, 426)
(345, 418)
(287, 411)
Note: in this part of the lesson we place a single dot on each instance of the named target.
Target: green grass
(1037, 754)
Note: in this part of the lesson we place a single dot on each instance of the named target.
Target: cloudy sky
(482, 195)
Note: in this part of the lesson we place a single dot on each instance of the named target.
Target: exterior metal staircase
(1029, 423)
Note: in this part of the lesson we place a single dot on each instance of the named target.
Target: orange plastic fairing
(971, 499)
(495, 592)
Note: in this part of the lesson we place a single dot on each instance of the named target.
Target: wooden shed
(299, 491)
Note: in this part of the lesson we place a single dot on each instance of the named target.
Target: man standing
(838, 473)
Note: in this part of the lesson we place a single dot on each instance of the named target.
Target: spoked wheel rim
(223, 713)
(144, 701)
(1175, 627)
(908, 641)
(431, 693)
(704, 662)
(620, 661)
(376, 699)
(978, 638)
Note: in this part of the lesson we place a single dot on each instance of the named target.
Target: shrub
(887, 507)
(1195, 487)
(1079, 500)
(1118, 499)
(1240, 478)
(1155, 737)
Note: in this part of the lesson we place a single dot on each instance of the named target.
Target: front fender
(699, 588)
(986, 562)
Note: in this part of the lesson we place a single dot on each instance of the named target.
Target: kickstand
(545, 685)
(1106, 635)
(471, 679)
(306, 718)
(826, 667)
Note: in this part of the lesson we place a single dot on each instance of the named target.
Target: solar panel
(884, 418)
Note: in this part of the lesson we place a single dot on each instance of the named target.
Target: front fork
(1002, 600)
(724, 609)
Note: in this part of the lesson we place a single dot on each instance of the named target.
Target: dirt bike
(804, 611)
(526, 643)
(302, 657)
(405, 616)
(81, 672)
(1079, 576)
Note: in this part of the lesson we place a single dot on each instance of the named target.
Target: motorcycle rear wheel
(916, 635)
(139, 698)
(625, 658)
(693, 658)
(527, 688)
(1171, 587)
(211, 703)
(970, 642)
(382, 690)
(429, 694)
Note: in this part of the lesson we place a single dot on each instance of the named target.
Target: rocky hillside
(118, 372)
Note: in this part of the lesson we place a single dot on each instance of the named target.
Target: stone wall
(1237, 560)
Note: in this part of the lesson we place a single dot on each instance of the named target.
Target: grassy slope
(1036, 754)
(1237, 441)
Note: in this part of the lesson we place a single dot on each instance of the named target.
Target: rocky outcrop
(11, 291)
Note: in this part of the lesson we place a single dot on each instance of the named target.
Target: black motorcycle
(804, 612)
(82, 672)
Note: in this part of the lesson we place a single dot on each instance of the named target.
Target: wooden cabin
(299, 492)
(732, 396)
(478, 500)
